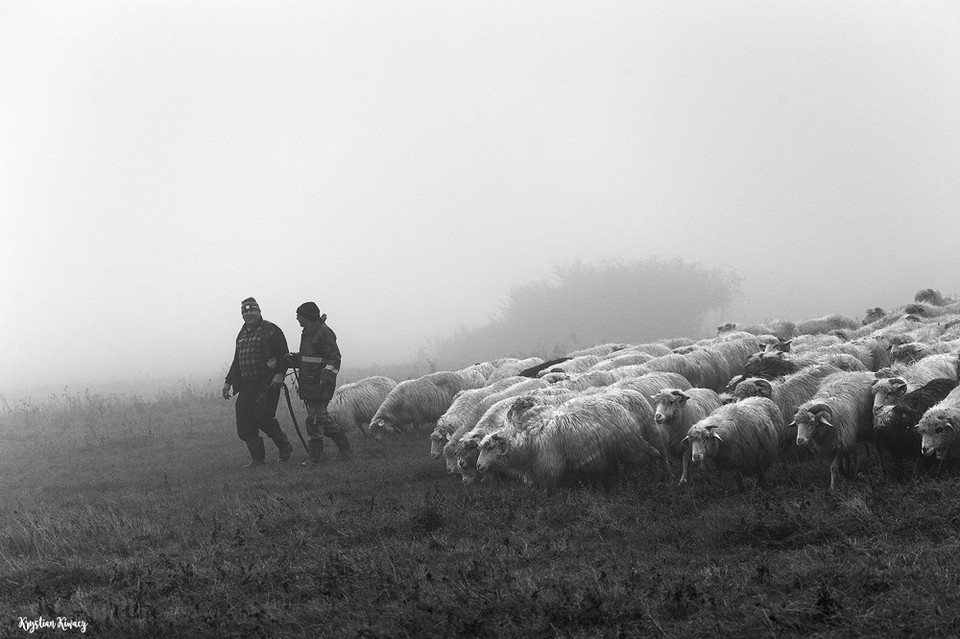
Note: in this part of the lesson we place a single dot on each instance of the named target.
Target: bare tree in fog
(589, 304)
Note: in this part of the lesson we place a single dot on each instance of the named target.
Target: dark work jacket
(319, 360)
(272, 344)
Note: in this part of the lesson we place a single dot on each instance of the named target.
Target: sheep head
(704, 440)
(938, 429)
(669, 402)
(493, 448)
(380, 425)
(809, 420)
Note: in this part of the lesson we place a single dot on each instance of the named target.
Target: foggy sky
(404, 164)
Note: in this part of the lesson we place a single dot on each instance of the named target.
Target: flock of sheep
(744, 399)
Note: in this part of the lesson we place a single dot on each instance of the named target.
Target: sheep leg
(685, 475)
(834, 471)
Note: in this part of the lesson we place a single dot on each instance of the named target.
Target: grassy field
(133, 518)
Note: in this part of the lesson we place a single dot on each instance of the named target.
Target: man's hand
(277, 381)
(226, 390)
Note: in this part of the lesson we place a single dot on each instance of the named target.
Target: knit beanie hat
(309, 310)
(249, 304)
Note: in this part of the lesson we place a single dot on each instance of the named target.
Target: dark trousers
(319, 423)
(257, 411)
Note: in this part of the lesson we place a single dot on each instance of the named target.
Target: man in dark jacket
(319, 363)
(256, 375)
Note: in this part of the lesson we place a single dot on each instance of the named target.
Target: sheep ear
(821, 417)
(718, 438)
(792, 424)
(685, 439)
(948, 424)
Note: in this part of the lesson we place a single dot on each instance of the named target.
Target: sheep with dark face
(939, 429)
(354, 405)
(742, 438)
(419, 401)
(588, 439)
(896, 381)
(895, 426)
(675, 411)
(836, 419)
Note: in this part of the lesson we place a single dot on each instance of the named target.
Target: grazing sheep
(873, 315)
(573, 365)
(354, 405)
(464, 409)
(590, 379)
(742, 438)
(789, 392)
(930, 296)
(713, 369)
(826, 324)
(674, 363)
(675, 411)
(909, 352)
(784, 329)
(896, 381)
(836, 418)
(895, 425)
(512, 368)
(599, 350)
(627, 358)
(589, 438)
(939, 428)
(520, 413)
(642, 410)
(483, 368)
(652, 383)
(469, 421)
(417, 401)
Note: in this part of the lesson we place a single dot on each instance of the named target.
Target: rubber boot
(315, 449)
(282, 441)
(343, 445)
(257, 452)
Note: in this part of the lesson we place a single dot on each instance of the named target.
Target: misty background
(420, 169)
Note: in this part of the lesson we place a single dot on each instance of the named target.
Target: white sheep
(354, 405)
(517, 412)
(742, 438)
(675, 411)
(939, 429)
(836, 419)
(512, 367)
(417, 401)
(470, 420)
(464, 409)
(788, 392)
(650, 384)
(589, 438)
